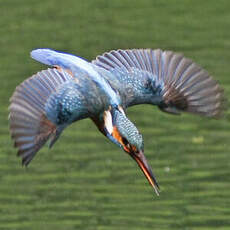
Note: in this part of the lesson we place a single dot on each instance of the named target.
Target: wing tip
(28, 145)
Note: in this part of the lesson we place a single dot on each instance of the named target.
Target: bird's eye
(124, 140)
(126, 145)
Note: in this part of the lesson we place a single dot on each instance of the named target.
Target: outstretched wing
(41, 107)
(163, 78)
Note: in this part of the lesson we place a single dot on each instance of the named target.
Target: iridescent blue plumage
(74, 89)
(77, 66)
(135, 86)
(128, 130)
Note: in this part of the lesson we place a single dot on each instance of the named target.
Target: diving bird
(73, 89)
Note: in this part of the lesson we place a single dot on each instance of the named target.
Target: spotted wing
(163, 78)
(41, 107)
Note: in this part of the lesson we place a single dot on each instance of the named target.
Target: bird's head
(121, 131)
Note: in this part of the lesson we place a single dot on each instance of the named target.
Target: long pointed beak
(143, 164)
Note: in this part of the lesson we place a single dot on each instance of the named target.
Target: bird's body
(74, 89)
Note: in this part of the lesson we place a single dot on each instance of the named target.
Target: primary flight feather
(73, 89)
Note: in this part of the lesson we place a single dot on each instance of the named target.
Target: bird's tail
(29, 125)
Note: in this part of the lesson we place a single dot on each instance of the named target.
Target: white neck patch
(108, 121)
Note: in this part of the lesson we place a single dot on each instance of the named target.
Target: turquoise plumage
(73, 89)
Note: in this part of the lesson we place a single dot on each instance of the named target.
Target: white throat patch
(108, 121)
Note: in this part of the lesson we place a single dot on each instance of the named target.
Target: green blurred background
(85, 182)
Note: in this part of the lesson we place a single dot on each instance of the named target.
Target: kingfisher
(72, 89)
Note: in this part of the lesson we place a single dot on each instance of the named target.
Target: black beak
(143, 164)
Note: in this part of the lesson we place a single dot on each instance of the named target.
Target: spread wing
(41, 107)
(163, 78)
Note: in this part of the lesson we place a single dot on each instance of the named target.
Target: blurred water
(85, 182)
